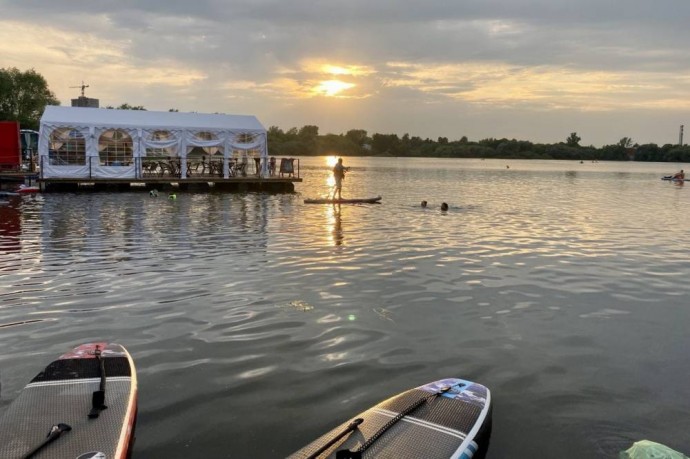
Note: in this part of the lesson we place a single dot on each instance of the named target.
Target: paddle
(352, 426)
(55, 432)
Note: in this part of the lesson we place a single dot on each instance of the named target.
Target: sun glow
(330, 162)
(332, 87)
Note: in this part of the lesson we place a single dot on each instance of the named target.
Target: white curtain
(142, 139)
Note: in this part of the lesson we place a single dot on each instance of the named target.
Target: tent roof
(100, 117)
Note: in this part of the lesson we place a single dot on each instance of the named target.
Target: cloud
(390, 58)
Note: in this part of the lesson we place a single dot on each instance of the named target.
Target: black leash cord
(352, 426)
(347, 454)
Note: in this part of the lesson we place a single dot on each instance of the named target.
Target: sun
(332, 87)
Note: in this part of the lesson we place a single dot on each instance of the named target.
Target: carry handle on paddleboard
(98, 396)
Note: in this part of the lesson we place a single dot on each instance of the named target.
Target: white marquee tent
(78, 142)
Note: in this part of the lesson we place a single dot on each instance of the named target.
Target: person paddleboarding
(339, 175)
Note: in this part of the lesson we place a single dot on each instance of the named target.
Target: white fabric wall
(228, 140)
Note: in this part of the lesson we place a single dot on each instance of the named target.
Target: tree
(308, 132)
(573, 140)
(126, 106)
(24, 96)
(386, 144)
(625, 142)
(357, 136)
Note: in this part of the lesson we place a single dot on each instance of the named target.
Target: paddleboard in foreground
(374, 200)
(449, 418)
(81, 406)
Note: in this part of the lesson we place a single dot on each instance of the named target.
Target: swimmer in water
(444, 206)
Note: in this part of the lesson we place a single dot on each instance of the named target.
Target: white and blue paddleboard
(449, 418)
(81, 406)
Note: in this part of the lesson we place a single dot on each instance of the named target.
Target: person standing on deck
(339, 174)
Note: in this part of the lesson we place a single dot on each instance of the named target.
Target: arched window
(245, 137)
(115, 148)
(161, 136)
(198, 151)
(67, 147)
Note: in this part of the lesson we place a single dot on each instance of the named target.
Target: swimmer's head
(444, 206)
(423, 203)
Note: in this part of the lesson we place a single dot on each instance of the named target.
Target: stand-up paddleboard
(449, 418)
(344, 201)
(81, 406)
(670, 177)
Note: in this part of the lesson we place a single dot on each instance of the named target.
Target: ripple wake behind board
(449, 418)
(83, 406)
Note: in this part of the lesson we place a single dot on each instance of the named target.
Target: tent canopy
(81, 142)
(111, 118)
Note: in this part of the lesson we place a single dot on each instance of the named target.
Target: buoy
(172, 196)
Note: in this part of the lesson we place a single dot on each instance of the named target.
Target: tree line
(357, 142)
(24, 96)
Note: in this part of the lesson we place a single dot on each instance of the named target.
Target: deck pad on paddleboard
(455, 423)
(62, 394)
(344, 201)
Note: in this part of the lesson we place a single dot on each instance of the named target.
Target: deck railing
(171, 168)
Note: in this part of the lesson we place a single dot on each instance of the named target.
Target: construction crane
(83, 86)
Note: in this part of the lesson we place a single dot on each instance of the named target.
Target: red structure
(10, 147)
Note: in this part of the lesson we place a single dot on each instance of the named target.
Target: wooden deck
(165, 175)
(249, 183)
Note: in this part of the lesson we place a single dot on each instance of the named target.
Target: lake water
(258, 322)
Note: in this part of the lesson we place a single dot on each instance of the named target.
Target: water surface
(257, 322)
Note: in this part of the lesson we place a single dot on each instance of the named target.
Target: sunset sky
(526, 69)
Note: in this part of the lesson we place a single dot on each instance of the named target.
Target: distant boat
(28, 189)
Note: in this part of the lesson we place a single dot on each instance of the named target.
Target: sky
(533, 70)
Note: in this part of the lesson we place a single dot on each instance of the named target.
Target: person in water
(423, 203)
(339, 175)
(444, 206)
(679, 175)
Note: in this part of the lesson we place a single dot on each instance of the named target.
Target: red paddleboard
(82, 406)
(28, 189)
